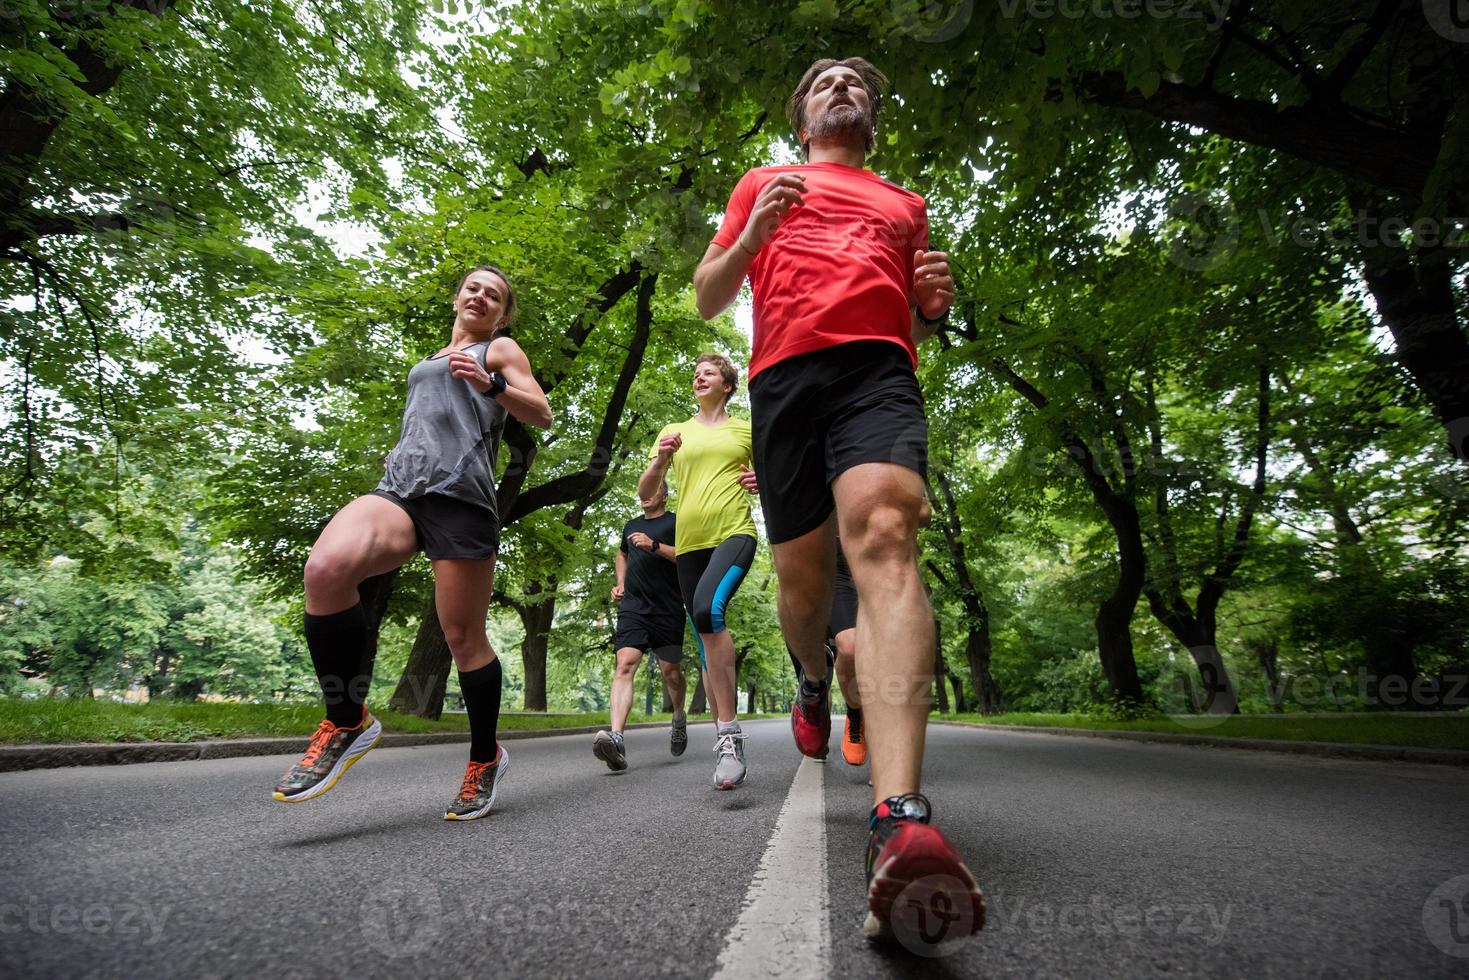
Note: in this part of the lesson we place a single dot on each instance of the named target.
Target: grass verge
(1386, 728)
(59, 721)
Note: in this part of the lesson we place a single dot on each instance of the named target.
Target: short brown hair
(873, 81)
(727, 371)
(509, 290)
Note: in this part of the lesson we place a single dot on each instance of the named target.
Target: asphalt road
(1098, 857)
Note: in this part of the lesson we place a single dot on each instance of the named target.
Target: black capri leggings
(709, 578)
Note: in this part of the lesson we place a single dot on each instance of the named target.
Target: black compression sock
(481, 690)
(336, 642)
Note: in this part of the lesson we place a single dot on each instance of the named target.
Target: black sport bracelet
(937, 321)
(497, 384)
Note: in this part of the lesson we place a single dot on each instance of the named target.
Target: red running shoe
(919, 891)
(811, 721)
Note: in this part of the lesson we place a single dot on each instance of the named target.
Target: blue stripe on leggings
(727, 586)
(698, 642)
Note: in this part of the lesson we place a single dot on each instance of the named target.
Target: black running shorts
(663, 636)
(449, 528)
(817, 415)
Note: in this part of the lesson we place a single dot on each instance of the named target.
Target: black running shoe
(608, 747)
(919, 890)
(332, 752)
(678, 736)
(477, 793)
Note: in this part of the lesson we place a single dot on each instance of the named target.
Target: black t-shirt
(651, 583)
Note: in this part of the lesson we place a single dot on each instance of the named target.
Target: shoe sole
(606, 750)
(500, 770)
(937, 873)
(347, 761)
(730, 783)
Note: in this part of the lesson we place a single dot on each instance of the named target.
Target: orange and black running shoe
(854, 747)
(477, 792)
(332, 752)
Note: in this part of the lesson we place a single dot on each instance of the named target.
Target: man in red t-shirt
(844, 285)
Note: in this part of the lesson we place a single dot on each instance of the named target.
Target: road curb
(1330, 750)
(16, 758)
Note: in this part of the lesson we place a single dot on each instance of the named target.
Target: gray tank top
(450, 438)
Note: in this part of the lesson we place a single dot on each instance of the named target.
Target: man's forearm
(718, 279)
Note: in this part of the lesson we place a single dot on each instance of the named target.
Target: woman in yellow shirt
(710, 456)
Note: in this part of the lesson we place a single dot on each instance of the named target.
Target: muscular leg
(673, 680)
(628, 659)
(805, 567)
(462, 589)
(879, 506)
(367, 537)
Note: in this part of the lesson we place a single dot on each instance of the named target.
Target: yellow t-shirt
(711, 504)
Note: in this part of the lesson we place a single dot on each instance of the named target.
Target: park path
(1098, 857)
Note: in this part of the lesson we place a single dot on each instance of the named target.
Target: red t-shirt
(838, 268)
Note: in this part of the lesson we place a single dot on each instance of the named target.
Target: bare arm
(523, 397)
(721, 271)
(620, 587)
(653, 476)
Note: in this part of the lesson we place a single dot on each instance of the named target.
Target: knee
(801, 601)
(671, 672)
(886, 534)
(463, 638)
(704, 620)
(328, 572)
(627, 668)
(846, 645)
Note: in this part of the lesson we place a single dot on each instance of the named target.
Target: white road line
(782, 929)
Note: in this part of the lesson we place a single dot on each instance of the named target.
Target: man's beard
(840, 121)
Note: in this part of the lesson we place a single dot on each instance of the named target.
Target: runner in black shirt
(651, 617)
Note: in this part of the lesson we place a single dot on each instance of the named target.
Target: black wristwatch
(941, 320)
(497, 384)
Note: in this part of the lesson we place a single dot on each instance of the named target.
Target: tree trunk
(1267, 653)
(648, 700)
(700, 703)
(420, 690)
(375, 594)
(960, 705)
(750, 701)
(536, 617)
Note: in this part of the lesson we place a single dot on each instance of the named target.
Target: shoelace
(725, 744)
(319, 741)
(472, 774)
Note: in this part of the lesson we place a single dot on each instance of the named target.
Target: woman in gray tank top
(437, 495)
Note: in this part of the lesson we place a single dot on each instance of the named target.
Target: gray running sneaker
(729, 771)
(608, 747)
(678, 736)
(481, 783)
(332, 752)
